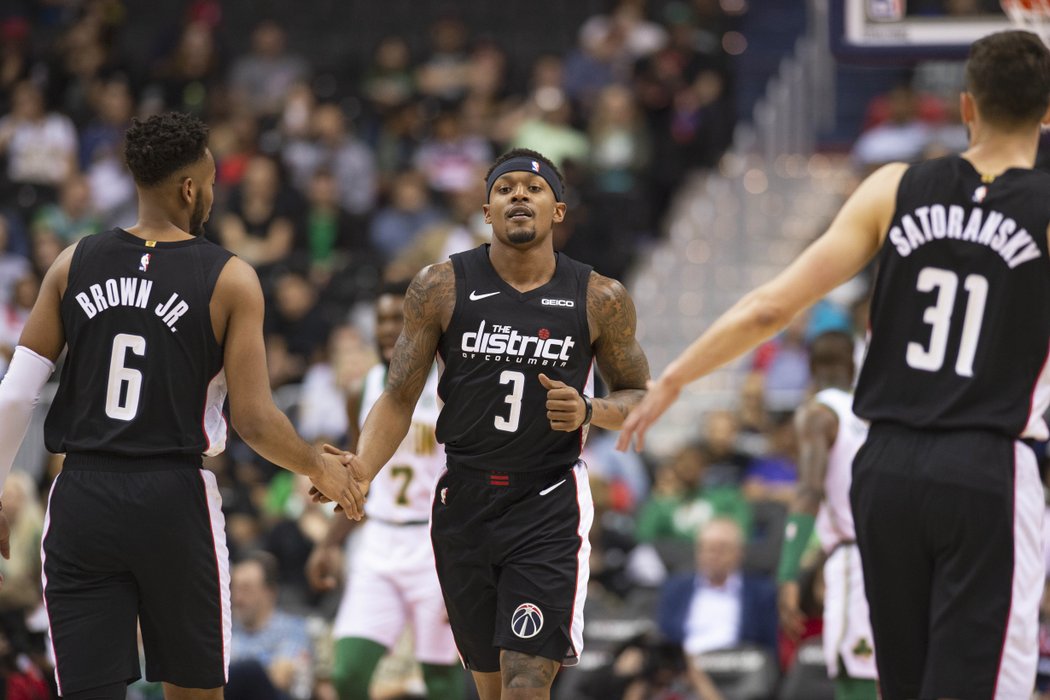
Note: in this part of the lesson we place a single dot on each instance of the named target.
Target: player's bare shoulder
(609, 307)
(431, 298)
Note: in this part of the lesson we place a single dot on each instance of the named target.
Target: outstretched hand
(565, 407)
(338, 482)
(658, 398)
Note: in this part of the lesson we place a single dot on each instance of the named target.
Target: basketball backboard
(904, 31)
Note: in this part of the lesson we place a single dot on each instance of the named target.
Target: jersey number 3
(517, 382)
(939, 317)
(123, 404)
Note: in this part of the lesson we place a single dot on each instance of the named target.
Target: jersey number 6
(119, 375)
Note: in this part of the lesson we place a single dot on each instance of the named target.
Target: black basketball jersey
(497, 344)
(960, 317)
(143, 374)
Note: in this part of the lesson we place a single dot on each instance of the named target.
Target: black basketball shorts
(949, 526)
(512, 557)
(141, 541)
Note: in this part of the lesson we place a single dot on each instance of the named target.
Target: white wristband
(19, 394)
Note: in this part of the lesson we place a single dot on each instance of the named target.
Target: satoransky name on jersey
(505, 344)
(992, 228)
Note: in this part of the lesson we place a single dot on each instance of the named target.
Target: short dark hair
(526, 153)
(1008, 74)
(160, 146)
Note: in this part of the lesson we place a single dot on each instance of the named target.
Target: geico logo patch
(559, 302)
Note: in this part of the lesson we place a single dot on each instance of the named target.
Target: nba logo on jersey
(535, 166)
(527, 621)
(444, 495)
(144, 262)
(979, 194)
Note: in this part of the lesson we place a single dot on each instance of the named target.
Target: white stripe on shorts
(1020, 650)
(43, 580)
(222, 561)
(583, 560)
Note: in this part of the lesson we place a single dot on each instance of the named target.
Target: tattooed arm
(623, 365)
(428, 309)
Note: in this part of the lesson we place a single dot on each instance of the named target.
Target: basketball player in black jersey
(517, 327)
(946, 498)
(159, 323)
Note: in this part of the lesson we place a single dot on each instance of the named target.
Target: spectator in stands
(329, 239)
(395, 226)
(260, 80)
(693, 133)
(450, 159)
(551, 129)
(772, 476)
(13, 315)
(296, 329)
(40, 146)
(113, 196)
(641, 37)
(728, 462)
(331, 146)
(486, 89)
(234, 142)
(12, 265)
(399, 135)
(784, 361)
(619, 143)
(600, 60)
(719, 606)
(679, 505)
(265, 636)
(21, 592)
(16, 60)
(463, 229)
(72, 217)
(258, 223)
(444, 74)
(189, 76)
(901, 137)
(388, 83)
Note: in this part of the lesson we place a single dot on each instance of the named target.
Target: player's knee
(526, 671)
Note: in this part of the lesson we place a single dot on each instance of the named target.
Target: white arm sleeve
(19, 394)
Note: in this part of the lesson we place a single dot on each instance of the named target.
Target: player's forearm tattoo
(620, 359)
(430, 296)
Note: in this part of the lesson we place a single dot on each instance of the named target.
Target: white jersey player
(391, 579)
(829, 437)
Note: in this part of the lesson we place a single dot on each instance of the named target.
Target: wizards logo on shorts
(527, 621)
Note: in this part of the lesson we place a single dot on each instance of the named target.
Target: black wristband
(588, 409)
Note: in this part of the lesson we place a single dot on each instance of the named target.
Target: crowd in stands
(327, 192)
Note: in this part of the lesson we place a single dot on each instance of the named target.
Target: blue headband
(524, 164)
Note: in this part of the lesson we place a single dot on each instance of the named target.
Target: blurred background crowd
(351, 140)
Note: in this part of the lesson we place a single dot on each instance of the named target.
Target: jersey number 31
(939, 317)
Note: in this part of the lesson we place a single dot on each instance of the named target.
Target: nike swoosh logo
(474, 296)
(547, 490)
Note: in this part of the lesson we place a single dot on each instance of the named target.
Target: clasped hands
(342, 479)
